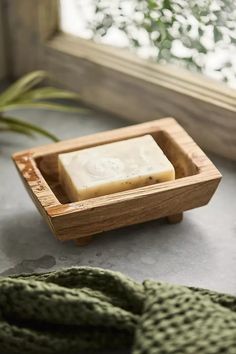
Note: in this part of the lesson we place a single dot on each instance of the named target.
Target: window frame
(3, 66)
(116, 81)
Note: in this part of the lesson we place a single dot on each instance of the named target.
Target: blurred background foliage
(197, 34)
(25, 94)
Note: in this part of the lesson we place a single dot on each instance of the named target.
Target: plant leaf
(27, 126)
(21, 86)
(42, 105)
(16, 129)
(47, 93)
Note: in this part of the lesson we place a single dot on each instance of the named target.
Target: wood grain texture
(119, 82)
(3, 53)
(28, 25)
(197, 180)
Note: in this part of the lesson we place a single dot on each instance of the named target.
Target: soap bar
(113, 167)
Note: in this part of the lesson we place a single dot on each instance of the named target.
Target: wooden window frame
(118, 82)
(3, 66)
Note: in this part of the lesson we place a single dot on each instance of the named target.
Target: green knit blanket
(91, 310)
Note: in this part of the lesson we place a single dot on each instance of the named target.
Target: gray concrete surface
(200, 251)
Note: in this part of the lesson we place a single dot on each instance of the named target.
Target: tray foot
(83, 241)
(174, 219)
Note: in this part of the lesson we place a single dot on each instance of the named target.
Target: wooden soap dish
(196, 181)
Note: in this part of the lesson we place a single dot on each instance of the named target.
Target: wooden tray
(196, 181)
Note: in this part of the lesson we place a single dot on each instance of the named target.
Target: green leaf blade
(48, 93)
(13, 122)
(43, 105)
(21, 86)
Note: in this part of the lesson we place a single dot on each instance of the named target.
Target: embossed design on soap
(104, 167)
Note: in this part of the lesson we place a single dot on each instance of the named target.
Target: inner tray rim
(121, 193)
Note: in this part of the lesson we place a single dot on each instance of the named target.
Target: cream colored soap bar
(113, 167)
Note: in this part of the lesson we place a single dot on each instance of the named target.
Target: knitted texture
(91, 310)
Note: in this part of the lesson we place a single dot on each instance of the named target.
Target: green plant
(23, 94)
(185, 32)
